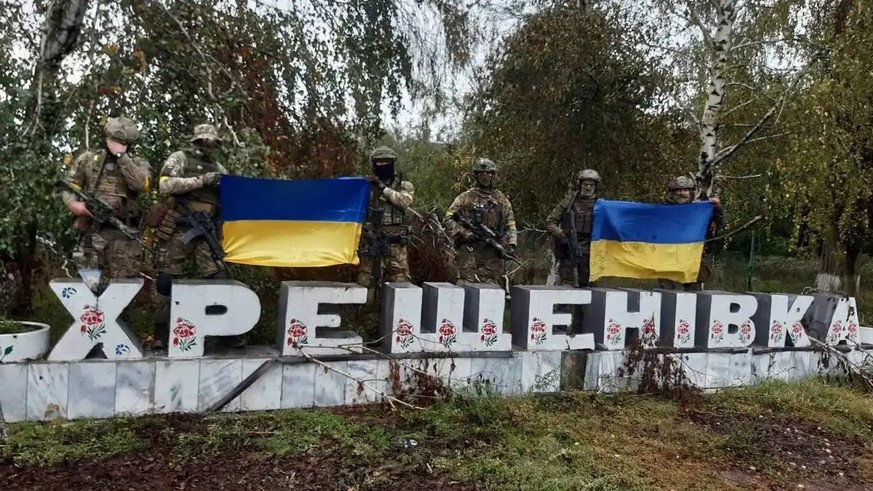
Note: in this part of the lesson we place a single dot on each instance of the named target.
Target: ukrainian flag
(645, 241)
(292, 223)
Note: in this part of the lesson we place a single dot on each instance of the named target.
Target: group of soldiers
(115, 175)
(482, 226)
(480, 220)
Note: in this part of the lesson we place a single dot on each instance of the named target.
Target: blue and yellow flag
(299, 223)
(645, 241)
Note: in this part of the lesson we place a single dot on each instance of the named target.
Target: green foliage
(55, 443)
(824, 182)
(277, 82)
(571, 89)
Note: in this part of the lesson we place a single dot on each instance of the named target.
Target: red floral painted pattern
(852, 331)
(404, 333)
(834, 333)
(777, 332)
(796, 330)
(489, 332)
(649, 335)
(683, 332)
(538, 331)
(746, 332)
(184, 334)
(716, 332)
(613, 332)
(447, 333)
(92, 323)
(298, 333)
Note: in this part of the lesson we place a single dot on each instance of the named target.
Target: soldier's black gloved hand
(376, 182)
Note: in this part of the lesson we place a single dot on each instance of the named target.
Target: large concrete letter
(201, 308)
(299, 317)
(95, 321)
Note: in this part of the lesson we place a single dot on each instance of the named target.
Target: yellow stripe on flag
(283, 243)
(643, 260)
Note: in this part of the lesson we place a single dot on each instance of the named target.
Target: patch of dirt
(233, 469)
(802, 454)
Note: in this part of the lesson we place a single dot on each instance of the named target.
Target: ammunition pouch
(168, 224)
(156, 214)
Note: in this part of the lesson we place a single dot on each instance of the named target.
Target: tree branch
(692, 18)
(726, 153)
(391, 399)
(740, 84)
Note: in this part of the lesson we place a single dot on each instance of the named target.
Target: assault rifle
(200, 225)
(375, 246)
(573, 243)
(487, 236)
(102, 212)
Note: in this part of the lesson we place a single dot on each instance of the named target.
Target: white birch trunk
(721, 45)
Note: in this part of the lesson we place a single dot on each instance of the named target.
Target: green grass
(839, 408)
(57, 442)
(566, 441)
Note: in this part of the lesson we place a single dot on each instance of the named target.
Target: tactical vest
(108, 183)
(197, 165)
(485, 209)
(379, 204)
(582, 210)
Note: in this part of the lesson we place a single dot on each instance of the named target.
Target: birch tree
(742, 64)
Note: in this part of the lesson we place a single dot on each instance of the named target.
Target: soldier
(189, 180)
(477, 261)
(680, 191)
(575, 209)
(387, 227)
(116, 176)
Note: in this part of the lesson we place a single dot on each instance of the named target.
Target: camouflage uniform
(577, 205)
(477, 262)
(390, 198)
(192, 174)
(117, 180)
(716, 225)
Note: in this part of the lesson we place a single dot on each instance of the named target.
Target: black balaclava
(384, 170)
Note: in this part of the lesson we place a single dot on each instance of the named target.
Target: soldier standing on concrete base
(386, 229)
(575, 211)
(116, 176)
(680, 191)
(476, 260)
(189, 183)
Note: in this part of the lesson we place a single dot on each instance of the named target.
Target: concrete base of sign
(34, 391)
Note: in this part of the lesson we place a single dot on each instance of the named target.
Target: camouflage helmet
(205, 132)
(588, 175)
(484, 165)
(122, 130)
(681, 182)
(382, 153)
